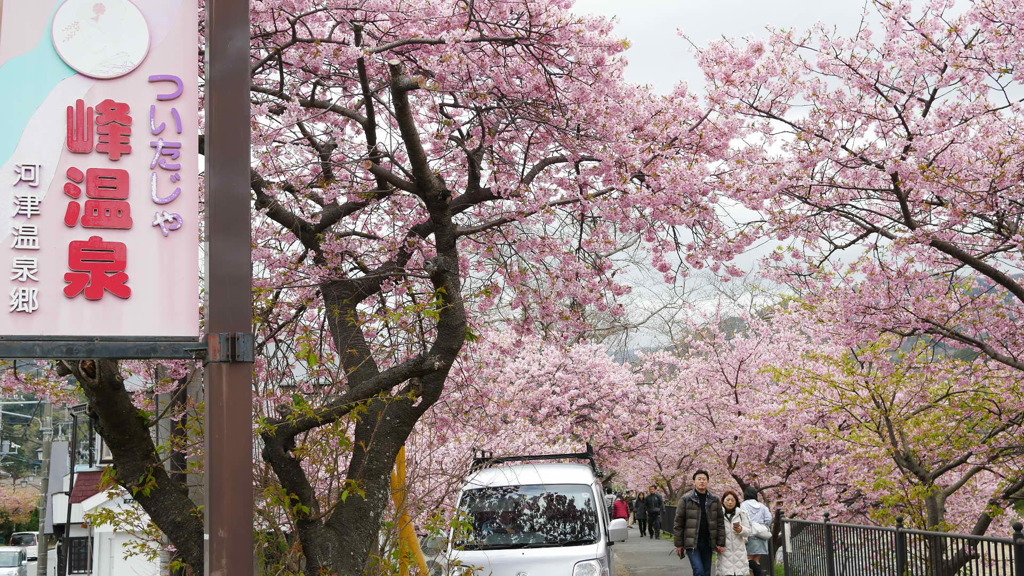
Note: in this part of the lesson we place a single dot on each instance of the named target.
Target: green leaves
(145, 484)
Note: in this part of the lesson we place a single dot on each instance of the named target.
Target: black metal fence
(832, 549)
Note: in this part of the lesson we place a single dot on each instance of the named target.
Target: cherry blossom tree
(429, 175)
(725, 411)
(123, 416)
(513, 394)
(783, 402)
(928, 427)
(415, 167)
(887, 165)
(16, 506)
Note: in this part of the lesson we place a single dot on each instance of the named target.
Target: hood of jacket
(753, 505)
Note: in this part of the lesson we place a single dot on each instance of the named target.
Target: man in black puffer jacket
(699, 525)
(655, 505)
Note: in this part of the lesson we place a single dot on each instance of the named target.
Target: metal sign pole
(229, 452)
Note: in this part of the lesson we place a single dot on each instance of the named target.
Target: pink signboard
(99, 199)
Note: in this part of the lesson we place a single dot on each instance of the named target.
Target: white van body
(535, 519)
(13, 561)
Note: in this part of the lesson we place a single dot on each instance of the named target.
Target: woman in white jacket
(757, 512)
(733, 562)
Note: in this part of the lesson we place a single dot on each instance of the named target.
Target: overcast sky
(659, 57)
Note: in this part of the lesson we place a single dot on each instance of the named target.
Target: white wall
(110, 549)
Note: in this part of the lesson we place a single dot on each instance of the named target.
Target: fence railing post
(786, 527)
(1018, 549)
(830, 548)
(778, 542)
(768, 561)
(901, 548)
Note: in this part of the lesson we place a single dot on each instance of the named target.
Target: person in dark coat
(655, 505)
(640, 512)
(699, 526)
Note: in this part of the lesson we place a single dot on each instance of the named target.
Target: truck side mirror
(618, 530)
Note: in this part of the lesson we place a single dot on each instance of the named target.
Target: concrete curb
(620, 567)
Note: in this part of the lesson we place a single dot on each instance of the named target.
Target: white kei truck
(534, 515)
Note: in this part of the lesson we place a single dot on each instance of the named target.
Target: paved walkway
(646, 557)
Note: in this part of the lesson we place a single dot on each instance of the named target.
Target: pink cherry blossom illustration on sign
(104, 40)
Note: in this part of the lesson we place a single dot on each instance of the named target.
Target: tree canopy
(447, 197)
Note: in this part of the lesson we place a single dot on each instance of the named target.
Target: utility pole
(44, 487)
(228, 393)
(64, 550)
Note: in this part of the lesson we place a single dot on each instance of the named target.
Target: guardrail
(811, 548)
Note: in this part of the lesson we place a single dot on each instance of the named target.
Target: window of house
(78, 556)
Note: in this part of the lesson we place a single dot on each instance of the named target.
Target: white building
(93, 550)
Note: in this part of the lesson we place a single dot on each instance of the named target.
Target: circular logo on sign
(101, 38)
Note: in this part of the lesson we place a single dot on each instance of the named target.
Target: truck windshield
(533, 516)
(22, 539)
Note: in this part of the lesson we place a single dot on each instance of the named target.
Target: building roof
(86, 484)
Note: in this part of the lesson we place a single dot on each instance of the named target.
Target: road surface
(646, 557)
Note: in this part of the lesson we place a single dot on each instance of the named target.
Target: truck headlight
(595, 567)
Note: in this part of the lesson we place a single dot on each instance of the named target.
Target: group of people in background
(737, 529)
(643, 509)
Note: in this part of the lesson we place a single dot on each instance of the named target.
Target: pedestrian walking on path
(699, 525)
(655, 512)
(758, 512)
(733, 560)
(640, 512)
(620, 509)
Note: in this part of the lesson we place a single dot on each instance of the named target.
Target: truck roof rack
(486, 459)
